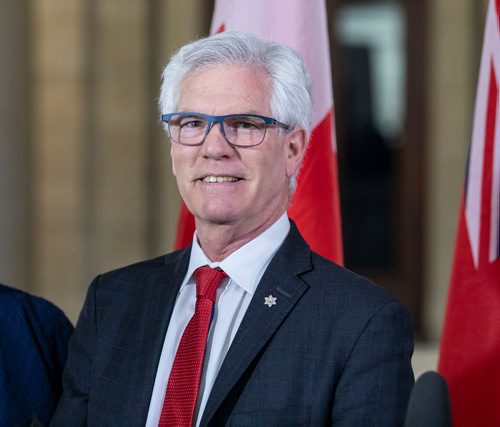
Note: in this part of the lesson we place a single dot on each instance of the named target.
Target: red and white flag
(302, 25)
(470, 346)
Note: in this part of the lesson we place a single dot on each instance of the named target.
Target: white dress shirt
(245, 268)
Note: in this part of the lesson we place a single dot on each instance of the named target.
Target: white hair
(290, 97)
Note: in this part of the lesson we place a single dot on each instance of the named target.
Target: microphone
(429, 404)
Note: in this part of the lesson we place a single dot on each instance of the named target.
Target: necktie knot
(207, 281)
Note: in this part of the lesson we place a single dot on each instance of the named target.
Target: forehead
(242, 86)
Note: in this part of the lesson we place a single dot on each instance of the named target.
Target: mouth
(219, 179)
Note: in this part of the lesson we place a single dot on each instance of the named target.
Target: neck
(218, 241)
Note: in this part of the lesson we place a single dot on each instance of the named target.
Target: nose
(215, 145)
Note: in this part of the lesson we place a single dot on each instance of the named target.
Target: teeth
(212, 178)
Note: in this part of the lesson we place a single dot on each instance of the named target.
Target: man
(291, 338)
(33, 345)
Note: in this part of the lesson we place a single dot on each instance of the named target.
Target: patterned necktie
(183, 384)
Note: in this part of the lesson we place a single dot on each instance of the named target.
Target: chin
(220, 215)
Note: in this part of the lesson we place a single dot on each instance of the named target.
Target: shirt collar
(246, 265)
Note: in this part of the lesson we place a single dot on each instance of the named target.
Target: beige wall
(101, 190)
(14, 131)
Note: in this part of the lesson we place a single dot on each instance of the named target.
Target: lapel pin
(270, 301)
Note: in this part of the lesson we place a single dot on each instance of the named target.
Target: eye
(192, 123)
(245, 123)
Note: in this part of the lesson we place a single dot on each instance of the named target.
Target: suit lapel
(281, 281)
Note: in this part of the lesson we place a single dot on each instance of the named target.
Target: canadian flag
(302, 25)
(470, 346)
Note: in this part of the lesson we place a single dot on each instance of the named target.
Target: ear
(295, 147)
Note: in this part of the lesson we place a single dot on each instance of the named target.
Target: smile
(212, 179)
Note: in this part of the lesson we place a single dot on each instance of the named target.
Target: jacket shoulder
(133, 273)
(335, 286)
(335, 278)
(23, 308)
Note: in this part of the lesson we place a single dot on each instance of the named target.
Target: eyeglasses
(240, 130)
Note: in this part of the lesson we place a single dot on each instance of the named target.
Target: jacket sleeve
(77, 376)
(375, 384)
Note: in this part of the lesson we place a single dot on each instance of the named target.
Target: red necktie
(183, 384)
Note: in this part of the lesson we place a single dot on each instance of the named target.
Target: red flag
(470, 346)
(302, 25)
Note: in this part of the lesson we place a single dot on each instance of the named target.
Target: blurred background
(85, 180)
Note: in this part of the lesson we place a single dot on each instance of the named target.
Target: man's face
(256, 193)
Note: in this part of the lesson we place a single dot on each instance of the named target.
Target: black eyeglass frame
(220, 119)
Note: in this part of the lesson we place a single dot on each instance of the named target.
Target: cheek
(274, 169)
(172, 157)
(182, 160)
(173, 167)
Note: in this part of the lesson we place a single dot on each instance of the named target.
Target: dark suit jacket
(33, 345)
(335, 349)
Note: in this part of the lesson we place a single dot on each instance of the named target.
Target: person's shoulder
(344, 297)
(328, 280)
(22, 308)
(13, 295)
(138, 276)
(122, 285)
(338, 281)
(132, 273)
(12, 299)
(8, 294)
